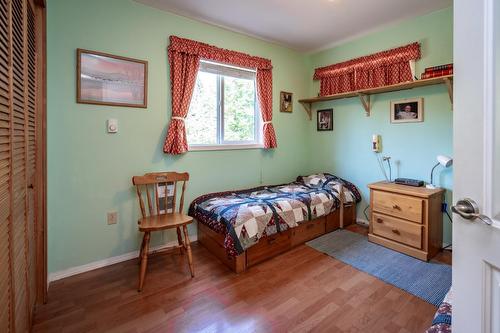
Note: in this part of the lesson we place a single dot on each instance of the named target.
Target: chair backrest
(148, 186)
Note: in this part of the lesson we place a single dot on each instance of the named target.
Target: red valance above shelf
(364, 94)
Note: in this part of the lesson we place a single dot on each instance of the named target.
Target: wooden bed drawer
(349, 215)
(333, 221)
(308, 230)
(398, 230)
(269, 247)
(406, 207)
(214, 242)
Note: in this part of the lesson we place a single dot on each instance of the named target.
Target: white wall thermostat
(112, 125)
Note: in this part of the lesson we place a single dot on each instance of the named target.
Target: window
(224, 111)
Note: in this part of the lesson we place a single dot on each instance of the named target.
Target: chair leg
(141, 251)
(188, 250)
(179, 240)
(144, 260)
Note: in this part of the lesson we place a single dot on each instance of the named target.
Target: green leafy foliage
(201, 122)
(239, 109)
(238, 113)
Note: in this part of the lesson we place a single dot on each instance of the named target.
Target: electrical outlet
(112, 217)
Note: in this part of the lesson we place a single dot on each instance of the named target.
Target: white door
(476, 130)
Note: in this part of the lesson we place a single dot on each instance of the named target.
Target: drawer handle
(379, 220)
(309, 226)
(396, 231)
(396, 207)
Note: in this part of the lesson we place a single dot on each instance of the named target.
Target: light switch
(112, 125)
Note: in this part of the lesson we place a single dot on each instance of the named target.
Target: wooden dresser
(406, 219)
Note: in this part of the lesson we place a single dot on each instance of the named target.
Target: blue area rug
(428, 281)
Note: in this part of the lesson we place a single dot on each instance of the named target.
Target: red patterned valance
(214, 53)
(378, 69)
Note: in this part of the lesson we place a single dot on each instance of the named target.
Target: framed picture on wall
(286, 102)
(407, 110)
(325, 120)
(107, 79)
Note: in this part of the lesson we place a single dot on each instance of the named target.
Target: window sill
(226, 147)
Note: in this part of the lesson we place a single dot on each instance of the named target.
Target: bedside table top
(405, 189)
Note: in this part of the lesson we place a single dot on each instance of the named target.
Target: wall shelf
(364, 94)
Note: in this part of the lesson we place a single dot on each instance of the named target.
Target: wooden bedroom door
(22, 263)
(476, 135)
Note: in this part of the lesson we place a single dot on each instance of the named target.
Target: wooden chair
(153, 220)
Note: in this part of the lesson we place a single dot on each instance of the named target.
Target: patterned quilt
(442, 319)
(246, 216)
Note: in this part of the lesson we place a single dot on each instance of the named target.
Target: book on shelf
(437, 73)
(438, 68)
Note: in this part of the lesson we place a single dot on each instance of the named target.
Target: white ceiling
(304, 25)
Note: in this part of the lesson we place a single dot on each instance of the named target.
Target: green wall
(89, 170)
(346, 150)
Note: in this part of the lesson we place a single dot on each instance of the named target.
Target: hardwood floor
(299, 291)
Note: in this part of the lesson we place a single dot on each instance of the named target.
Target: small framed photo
(325, 120)
(407, 110)
(286, 103)
(107, 79)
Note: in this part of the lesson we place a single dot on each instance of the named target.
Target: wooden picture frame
(107, 79)
(410, 110)
(324, 120)
(286, 102)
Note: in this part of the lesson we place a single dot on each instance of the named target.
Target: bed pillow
(313, 180)
(351, 192)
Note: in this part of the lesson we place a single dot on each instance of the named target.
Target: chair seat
(164, 221)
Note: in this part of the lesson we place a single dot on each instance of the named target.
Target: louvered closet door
(31, 147)
(18, 134)
(5, 168)
(19, 168)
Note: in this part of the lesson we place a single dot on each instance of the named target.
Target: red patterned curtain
(183, 71)
(184, 56)
(265, 97)
(339, 80)
(375, 70)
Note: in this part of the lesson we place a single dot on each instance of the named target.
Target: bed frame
(271, 246)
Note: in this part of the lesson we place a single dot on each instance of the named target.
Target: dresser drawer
(402, 206)
(398, 230)
(308, 230)
(269, 247)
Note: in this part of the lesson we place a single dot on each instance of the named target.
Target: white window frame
(227, 70)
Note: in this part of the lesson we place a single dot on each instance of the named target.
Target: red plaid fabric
(375, 70)
(184, 56)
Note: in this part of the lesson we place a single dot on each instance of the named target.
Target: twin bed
(243, 228)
